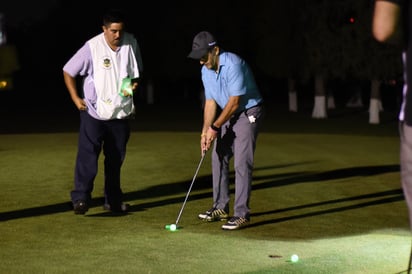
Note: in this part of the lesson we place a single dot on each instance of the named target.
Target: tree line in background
(325, 42)
(311, 43)
(315, 43)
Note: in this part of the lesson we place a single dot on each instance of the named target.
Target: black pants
(94, 135)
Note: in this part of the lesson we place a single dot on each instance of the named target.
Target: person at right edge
(232, 114)
(392, 24)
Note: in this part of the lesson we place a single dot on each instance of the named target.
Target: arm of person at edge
(208, 134)
(70, 82)
(386, 25)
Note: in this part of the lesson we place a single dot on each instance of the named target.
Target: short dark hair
(113, 16)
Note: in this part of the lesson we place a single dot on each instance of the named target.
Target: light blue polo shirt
(234, 78)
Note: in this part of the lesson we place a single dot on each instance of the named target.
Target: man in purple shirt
(110, 66)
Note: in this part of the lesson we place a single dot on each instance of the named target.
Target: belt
(246, 109)
(260, 104)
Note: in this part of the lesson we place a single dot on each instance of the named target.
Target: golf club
(410, 262)
(187, 194)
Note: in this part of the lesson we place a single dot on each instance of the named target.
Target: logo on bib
(107, 63)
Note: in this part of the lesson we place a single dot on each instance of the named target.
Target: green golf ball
(294, 258)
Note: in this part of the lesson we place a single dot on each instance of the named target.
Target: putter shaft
(190, 188)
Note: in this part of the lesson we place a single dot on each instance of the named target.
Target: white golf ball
(294, 258)
(172, 227)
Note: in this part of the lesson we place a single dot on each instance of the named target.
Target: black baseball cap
(202, 42)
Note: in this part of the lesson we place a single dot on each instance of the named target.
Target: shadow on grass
(393, 196)
(328, 175)
(205, 183)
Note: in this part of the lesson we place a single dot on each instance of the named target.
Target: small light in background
(4, 84)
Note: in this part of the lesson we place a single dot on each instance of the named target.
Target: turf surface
(327, 190)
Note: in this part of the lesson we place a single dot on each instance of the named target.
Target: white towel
(128, 64)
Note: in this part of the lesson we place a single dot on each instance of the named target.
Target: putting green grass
(334, 199)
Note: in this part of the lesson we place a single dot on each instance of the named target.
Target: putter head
(171, 227)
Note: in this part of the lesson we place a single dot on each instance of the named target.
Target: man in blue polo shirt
(233, 112)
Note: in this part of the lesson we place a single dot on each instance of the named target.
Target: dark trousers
(405, 133)
(94, 135)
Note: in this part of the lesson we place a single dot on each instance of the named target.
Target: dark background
(48, 32)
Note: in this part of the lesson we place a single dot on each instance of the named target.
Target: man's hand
(80, 104)
(207, 138)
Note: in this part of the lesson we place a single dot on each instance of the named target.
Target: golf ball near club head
(171, 227)
(294, 258)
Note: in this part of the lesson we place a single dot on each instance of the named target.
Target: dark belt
(258, 105)
(245, 110)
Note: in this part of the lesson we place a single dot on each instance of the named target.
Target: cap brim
(197, 54)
